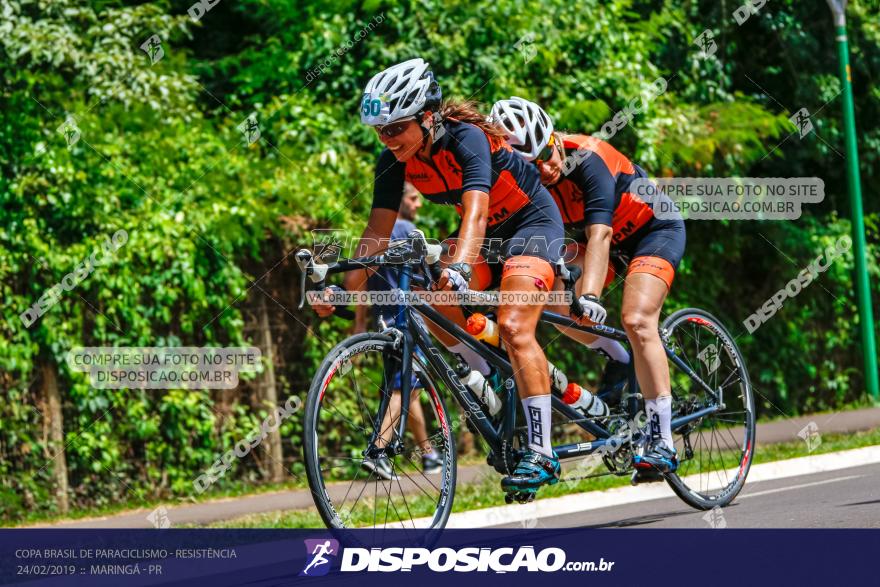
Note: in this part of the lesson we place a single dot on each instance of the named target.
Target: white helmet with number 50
(401, 91)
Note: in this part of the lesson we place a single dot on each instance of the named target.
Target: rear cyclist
(592, 191)
(452, 155)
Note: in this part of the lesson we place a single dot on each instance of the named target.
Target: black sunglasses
(395, 128)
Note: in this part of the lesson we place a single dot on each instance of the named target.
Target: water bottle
(485, 329)
(584, 401)
(476, 382)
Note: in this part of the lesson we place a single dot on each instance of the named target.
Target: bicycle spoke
(725, 383)
(725, 482)
(356, 474)
(721, 450)
(364, 430)
(330, 468)
(738, 422)
(351, 510)
(403, 496)
(422, 473)
(684, 357)
(362, 407)
(736, 444)
(375, 500)
(700, 441)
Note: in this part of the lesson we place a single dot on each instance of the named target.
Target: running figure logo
(706, 42)
(250, 128)
(153, 48)
(317, 563)
(801, 121)
(710, 357)
(70, 131)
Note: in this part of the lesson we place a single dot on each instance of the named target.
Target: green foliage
(210, 220)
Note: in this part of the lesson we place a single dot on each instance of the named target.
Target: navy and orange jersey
(465, 158)
(597, 189)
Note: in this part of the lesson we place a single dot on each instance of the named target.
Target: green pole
(863, 288)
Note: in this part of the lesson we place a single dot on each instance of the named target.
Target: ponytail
(468, 111)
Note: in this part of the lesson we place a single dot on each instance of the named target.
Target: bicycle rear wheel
(716, 450)
(340, 416)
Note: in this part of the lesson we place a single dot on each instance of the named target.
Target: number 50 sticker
(371, 106)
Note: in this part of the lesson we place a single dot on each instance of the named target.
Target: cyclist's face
(406, 141)
(551, 169)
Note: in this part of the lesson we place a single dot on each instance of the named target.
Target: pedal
(519, 496)
(525, 497)
(648, 475)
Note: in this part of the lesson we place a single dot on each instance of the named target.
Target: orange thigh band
(656, 266)
(538, 269)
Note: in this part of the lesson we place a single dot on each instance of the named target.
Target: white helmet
(402, 90)
(527, 126)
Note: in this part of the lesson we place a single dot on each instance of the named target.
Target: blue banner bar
(573, 556)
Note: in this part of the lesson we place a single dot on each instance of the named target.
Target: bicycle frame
(415, 337)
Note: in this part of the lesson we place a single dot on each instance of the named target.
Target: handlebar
(415, 250)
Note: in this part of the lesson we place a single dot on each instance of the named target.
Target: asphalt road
(846, 498)
(785, 430)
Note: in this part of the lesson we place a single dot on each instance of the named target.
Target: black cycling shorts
(534, 231)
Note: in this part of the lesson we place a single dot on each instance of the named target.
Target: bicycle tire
(681, 481)
(345, 352)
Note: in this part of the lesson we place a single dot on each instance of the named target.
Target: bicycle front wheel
(352, 490)
(716, 450)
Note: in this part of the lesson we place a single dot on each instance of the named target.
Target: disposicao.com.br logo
(440, 560)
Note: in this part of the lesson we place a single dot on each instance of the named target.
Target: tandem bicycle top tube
(597, 329)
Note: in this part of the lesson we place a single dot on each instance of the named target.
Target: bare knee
(641, 328)
(514, 333)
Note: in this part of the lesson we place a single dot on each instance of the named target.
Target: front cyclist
(451, 155)
(590, 181)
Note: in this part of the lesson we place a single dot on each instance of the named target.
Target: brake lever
(430, 253)
(303, 260)
(571, 276)
(302, 290)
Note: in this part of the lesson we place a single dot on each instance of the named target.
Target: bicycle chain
(580, 477)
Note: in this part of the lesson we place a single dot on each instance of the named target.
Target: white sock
(537, 409)
(474, 360)
(611, 348)
(659, 413)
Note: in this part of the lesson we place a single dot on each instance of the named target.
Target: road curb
(581, 502)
